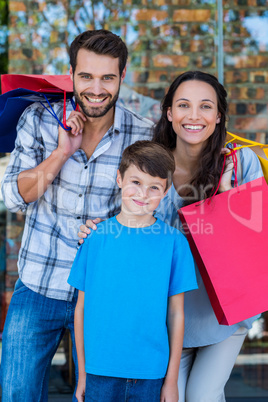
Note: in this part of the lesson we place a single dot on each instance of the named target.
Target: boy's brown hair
(149, 157)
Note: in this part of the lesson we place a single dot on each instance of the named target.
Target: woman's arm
(175, 322)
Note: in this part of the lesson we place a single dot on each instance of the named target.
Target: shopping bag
(261, 150)
(228, 238)
(20, 91)
(38, 83)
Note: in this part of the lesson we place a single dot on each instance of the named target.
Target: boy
(131, 274)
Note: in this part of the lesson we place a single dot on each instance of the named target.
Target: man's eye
(86, 77)
(108, 78)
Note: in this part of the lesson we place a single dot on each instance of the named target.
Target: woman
(192, 125)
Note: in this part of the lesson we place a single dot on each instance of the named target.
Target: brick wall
(246, 61)
(165, 37)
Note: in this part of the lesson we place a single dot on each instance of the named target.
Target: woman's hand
(225, 183)
(85, 230)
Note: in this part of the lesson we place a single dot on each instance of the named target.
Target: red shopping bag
(21, 90)
(229, 240)
(38, 83)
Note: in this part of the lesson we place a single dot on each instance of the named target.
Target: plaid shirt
(83, 189)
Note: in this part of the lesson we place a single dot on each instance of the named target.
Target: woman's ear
(169, 114)
(218, 118)
(119, 179)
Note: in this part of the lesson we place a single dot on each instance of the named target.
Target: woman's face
(194, 112)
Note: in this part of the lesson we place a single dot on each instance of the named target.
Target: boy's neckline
(135, 227)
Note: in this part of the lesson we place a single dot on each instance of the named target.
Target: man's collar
(118, 118)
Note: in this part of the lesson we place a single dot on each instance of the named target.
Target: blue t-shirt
(127, 275)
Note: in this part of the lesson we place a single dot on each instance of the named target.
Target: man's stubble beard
(96, 112)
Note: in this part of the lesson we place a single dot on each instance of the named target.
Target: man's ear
(119, 179)
(71, 73)
(169, 114)
(123, 75)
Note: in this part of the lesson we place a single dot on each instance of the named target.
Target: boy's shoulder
(172, 231)
(104, 227)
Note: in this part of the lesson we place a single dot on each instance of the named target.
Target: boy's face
(141, 193)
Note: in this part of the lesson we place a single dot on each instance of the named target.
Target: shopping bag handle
(234, 157)
(240, 139)
(52, 112)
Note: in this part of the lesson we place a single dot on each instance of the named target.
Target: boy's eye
(136, 182)
(155, 188)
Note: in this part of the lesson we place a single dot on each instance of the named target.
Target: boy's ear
(165, 193)
(119, 179)
(169, 114)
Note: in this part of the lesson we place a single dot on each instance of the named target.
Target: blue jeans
(33, 330)
(111, 389)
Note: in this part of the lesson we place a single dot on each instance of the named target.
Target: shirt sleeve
(183, 277)
(28, 153)
(251, 167)
(77, 277)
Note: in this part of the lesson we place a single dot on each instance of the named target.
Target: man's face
(96, 82)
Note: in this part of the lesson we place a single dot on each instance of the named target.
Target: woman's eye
(206, 107)
(183, 105)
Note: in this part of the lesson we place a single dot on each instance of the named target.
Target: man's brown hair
(102, 42)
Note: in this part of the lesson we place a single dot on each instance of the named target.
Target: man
(60, 178)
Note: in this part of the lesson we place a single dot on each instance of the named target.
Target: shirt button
(86, 167)
(78, 217)
(80, 195)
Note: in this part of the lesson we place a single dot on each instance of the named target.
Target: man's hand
(225, 183)
(169, 391)
(70, 141)
(81, 388)
(85, 230)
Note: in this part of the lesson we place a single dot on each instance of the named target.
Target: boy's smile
(141, 193)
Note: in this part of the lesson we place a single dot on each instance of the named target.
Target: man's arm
(79, 343)
(175, 322)
(32, 183)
